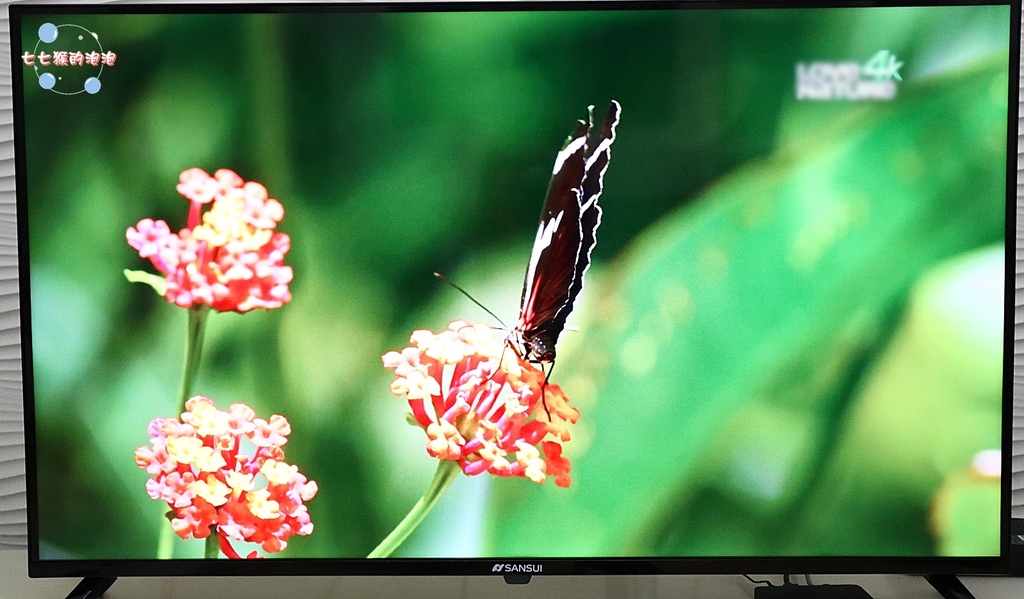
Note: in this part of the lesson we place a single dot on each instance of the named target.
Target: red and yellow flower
(224, 473)
(483, 406)
(229, 258)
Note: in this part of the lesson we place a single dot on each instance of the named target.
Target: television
(516, 288)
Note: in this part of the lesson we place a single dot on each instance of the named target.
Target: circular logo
(69, 59)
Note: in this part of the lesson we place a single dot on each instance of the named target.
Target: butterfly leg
(544, 386)
(501, 360)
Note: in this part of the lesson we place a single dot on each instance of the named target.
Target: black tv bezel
(838, 564)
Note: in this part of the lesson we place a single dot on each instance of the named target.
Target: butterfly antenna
(445, 280)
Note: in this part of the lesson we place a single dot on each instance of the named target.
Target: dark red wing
(555, 248)
(567, 232)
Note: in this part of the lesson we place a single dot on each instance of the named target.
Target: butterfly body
(565, 239)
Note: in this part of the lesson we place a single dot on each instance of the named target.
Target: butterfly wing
(555, 247)
(565, 238)
(599, 156)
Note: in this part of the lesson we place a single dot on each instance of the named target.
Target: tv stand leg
(949, 586)
(788, 590)
(91, 588)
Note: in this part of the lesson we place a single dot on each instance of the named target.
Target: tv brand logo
(874, 80)
(517, 568)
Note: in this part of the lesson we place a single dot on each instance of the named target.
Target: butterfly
(565, 239)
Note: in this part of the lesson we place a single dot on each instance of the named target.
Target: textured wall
(12, 451)
(1017, 478)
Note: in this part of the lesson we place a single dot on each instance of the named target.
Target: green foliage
(724, 351)
(966, 515)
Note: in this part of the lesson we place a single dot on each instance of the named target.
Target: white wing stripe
(544, 236)
(605, 144)
(590, 251)
(591, 204)
(569, 150)
(570, 301)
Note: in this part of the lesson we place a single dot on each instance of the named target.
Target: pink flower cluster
(230, 257)
(482, 405)
(199, 467)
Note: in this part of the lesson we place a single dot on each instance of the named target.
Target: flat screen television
(516, 288)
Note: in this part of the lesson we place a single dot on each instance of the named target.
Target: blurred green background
(790, 342)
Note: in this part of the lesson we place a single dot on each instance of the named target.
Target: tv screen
(516, 288)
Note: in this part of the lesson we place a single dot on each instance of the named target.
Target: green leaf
(929, 403)
(158, 283)
(775, 287)
(965, 515)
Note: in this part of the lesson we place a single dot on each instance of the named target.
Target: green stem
(447, 470)
(165, 543)
(212, 545)
(193, 352)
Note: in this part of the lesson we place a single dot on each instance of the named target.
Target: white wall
(12, 450)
